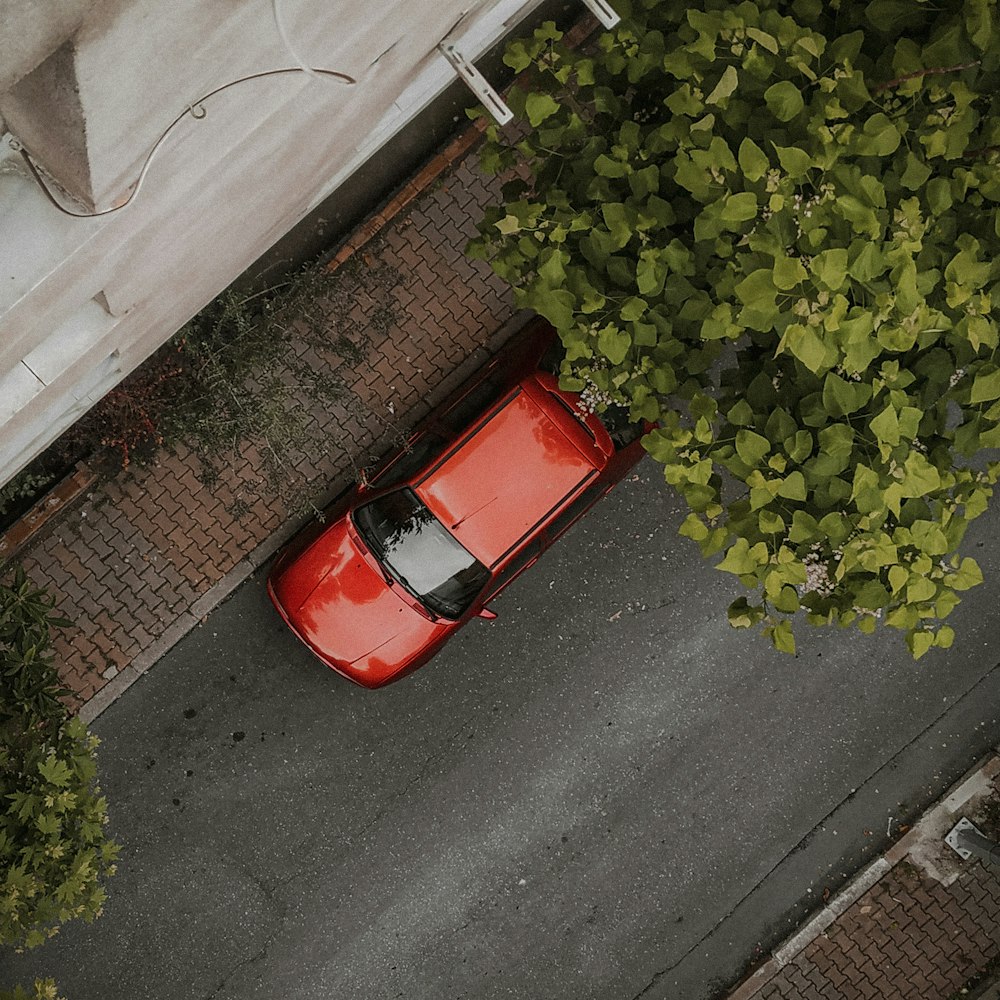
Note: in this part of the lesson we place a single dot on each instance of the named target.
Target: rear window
(417, 549)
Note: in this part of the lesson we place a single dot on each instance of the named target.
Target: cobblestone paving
(907, 938)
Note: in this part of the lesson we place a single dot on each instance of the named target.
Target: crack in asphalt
(419, 776)
(256, 957)
(657, 976)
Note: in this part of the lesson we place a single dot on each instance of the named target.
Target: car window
(410, 462)
(417, 549)
(567, 516)
(474, 403)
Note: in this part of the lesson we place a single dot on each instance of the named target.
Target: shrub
(54, 852)
(773, 227)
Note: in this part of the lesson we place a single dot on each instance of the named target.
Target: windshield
(420, 553)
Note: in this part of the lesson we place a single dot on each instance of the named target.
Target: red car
(489, 480)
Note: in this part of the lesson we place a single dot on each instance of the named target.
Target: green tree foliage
(772, 228)
(53, 848)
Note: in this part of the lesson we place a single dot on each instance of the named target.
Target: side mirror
(487, 614)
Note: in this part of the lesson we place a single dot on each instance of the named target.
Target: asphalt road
(607, 793)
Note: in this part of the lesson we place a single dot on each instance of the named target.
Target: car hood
(344, 609)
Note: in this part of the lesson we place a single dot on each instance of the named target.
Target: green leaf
(985, 387)
(753, 161)
(920, 589)
(830, 267)
(782, 637)
(807, 346)
(793, 487)
(919, 643)
(916, 173)
(614, 344)
(967, 575)
(784, 100)
(885, 426)
(741, 414)
(739, 207)
(939, 195)
(879, 136)
(945, 637)
(742, 614)
(868, 264)
(724, 88)
(788, 272)
(738, 559)
(633, 309)
(509, 224)
(539, 107)
(794, 161)
(751, 447)
(804, 527)
(757, 287)
(607, 167)
(920, 476)
(763, 39)
(694, 528)
(556, 305)
(841, 398)
(645, 182)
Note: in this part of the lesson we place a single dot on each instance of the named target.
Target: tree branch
(930, 71)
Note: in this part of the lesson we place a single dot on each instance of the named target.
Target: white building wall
(84, 301)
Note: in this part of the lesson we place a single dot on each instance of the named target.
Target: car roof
(510, 472)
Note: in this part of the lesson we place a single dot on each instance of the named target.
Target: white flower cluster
(844, 373)
(591, 397)
(956, 377)
(804, 206)
(818, 579)
(877, 613)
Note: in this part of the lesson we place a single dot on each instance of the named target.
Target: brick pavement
(919, 924)
(143, 556)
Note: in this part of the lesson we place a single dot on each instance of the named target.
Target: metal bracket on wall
(967, 840)
(604, 12)
(477, 83)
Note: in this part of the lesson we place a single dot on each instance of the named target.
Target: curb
(974, 783)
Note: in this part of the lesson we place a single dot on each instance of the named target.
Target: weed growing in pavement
(245, 371)
(18, 494)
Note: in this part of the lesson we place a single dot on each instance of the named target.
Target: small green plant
(44, 989)
(24, 485)
(54, 852)
(234, 373)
